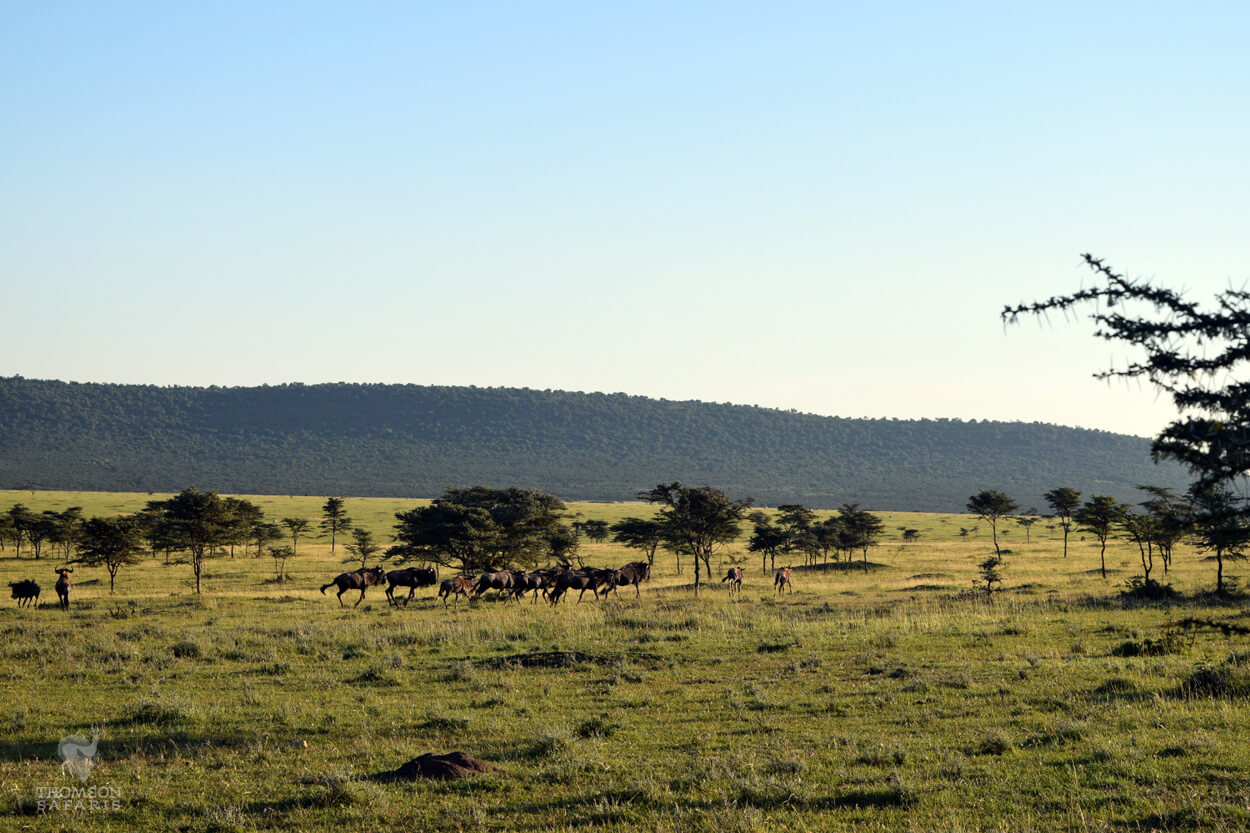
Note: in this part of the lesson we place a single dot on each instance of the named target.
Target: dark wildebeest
(501, 581)
(635, 573)
(734, 577)
(410, 577)
(587, 578)
(538, 581)
(782, 580)
(360, 580)
(63, 585)
(458, 586)
(24, 591)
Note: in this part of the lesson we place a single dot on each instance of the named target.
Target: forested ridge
(414, 441)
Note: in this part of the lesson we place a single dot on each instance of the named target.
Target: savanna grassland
(890, 697)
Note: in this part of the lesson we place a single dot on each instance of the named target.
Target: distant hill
(414, 441)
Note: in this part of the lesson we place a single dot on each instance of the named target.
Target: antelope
(782, 580)
(63, 585)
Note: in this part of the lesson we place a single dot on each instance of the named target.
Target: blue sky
(816, 206)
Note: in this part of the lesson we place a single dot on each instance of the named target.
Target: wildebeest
(782, 580)
(587, 578)
(410, 577)
(25, 591)
(501, 581)
(457, 586)
(734, 577)
(356, 580)
(63, 585)
(539, 581)
(635, 573)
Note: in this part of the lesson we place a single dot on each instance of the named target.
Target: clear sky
(820, 206)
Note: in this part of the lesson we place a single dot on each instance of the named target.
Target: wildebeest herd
(552, 583)
(27, 591)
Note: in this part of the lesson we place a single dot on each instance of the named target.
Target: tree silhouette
(696, 520)
(766, 539)
(1063, 502)
(111, 543)
(297, 527)
(643, 534)
(362, 548)
(1101, 515)
(196, 523)
(336, 520)
(991, 507)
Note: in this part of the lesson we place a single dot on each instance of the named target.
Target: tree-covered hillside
(413, 441)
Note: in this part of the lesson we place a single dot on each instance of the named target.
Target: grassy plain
(890, 698)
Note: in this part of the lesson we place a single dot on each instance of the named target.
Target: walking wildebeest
(501, 581)
(587, 578)
(782, 580)
(410, 577)
(458, 586)
(538, 581)
(734, 577)
(360, 580)
(24, 591)
(635, 573)
(63, 585)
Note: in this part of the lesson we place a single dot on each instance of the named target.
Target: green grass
(891, 698)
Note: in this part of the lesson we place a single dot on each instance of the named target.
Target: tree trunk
(1102, 557)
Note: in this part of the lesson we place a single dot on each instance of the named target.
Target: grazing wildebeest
(410, 577)
(63, 585)
(457, 586)
(782, 580)
(24, 591)
(635, 573)
(587, 578)
(734, 577)
(501, 581)
(360, 580)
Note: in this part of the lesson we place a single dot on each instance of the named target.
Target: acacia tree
(111, 543)
(336, 520)
(992, 506)
(643, 534)
(280, 556)
(860, 529)
(1063, 502)
(482, 529)
(1100, 516)
(297, 527)
(767, 540)
(696, 520)
(1171, 519)
(596, 531)
(1140, 529)
(196, 523)
(1027, 523)
(1218, 522)
(1199, 356)
(362, 548)
(20, 521)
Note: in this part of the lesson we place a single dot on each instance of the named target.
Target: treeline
(414, 441)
